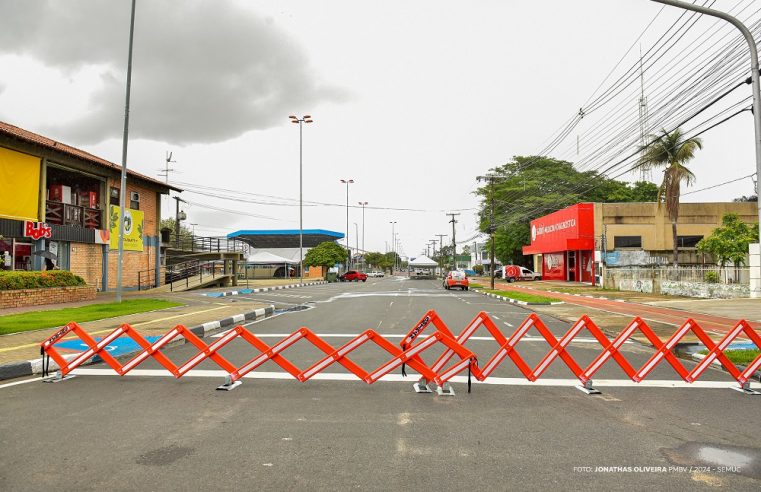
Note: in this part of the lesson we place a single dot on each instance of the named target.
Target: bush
(479, 269)
(16, 280)
(711, 277)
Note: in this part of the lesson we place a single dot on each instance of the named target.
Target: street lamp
(304, 119)
(125, 139)
(393, 246)
(356, 239)
(363, 226)
(755, 88)
(347, 182)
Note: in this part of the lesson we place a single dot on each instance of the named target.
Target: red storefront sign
(569, 229)
(37, 230)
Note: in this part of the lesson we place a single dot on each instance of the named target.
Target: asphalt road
(155, 432)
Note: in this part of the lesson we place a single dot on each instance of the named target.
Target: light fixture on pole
(755, 89)
(348, 248)
(363, 226)
(125, 139)
(304, 119)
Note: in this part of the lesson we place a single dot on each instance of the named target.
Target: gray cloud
(203, 71)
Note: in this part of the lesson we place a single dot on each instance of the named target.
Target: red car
(353, 276)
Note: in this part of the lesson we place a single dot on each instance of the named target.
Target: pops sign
(37, 230)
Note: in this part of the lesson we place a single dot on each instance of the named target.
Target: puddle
(720, 458)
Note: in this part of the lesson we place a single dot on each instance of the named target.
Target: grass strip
(742, 357)
(520, 296)
(35, 320)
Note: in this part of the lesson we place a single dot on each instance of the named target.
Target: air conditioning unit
(134, 196)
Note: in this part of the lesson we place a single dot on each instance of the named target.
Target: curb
(263, 289)
(699, 357)
(34, 366)
(522, 303)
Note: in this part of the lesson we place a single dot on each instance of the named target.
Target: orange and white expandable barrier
(410, 355)
(438, 373)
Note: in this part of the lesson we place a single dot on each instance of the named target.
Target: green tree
(529, 187)
(325, 254)
(374, 259)
(729, 243)
(670, 151)
(185, 233)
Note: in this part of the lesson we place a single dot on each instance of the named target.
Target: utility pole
(165, 172)
(492, 229)
(454, 242)
(177, 219)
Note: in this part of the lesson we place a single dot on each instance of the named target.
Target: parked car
(376, 274)
(456, 278)
(511, 273)
(353, 276)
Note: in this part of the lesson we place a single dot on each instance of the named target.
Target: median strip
(518, 297)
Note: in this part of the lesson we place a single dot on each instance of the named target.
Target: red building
(565, 242)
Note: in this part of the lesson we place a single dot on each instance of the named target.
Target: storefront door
(571, 266)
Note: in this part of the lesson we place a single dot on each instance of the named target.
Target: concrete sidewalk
(198, 309)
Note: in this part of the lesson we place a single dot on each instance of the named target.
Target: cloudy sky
(411, 100)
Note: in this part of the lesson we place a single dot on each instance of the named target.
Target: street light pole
(756, 86)
(393, 246)
(125, 139)
(348, 248)
(304, 119)
(356, 238)
(363, 226)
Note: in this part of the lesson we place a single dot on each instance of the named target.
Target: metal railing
(176, 275)
(200, 244)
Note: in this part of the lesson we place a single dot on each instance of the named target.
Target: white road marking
(8, 385)
(527, 338)
(495, 317)
(508, 324)
(398, 378)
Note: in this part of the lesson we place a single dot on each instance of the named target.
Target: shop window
(113, 196)
(627, 242)
(134, 200)
(688, 241)
(73, 199)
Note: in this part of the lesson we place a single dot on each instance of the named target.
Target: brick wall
(135, 261)
(52, 295)
(148, 204)
(87, 262)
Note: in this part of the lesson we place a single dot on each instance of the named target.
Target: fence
(697, 281)
(410, 350)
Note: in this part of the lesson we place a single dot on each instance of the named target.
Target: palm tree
(670, 151)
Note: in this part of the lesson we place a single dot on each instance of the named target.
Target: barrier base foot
(588, 388)
(745, 388)
(57, 378)
(229, 385)
(445, 390)
(422, 387)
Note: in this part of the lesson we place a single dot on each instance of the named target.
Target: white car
(376, 274)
